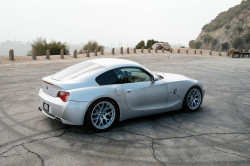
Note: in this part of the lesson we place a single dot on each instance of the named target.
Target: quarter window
(131, 75)
(107, 78)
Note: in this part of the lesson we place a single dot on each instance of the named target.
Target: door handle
(129, 90)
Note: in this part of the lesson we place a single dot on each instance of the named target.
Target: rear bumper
(69, 112)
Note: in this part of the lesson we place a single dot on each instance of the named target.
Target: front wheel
(192, 100)
(101, 115)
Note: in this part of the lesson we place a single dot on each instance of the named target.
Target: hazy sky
(109, 22)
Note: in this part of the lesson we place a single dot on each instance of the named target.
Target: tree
(238, 43)
(91, 45)
(191, 44)
(140, 45)
(197, 44)
(225, 46)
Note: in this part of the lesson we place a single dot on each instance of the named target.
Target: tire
(192, 100)
(102, 115)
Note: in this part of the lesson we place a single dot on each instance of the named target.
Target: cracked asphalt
(217, 134)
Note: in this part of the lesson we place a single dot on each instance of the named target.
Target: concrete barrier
(102, 52)
(134, 50)
(47, 54)
(128, 50)
(87, 53)
(62, 54)
(142, 49)
(95, 52)
(194, 51)
(11, 54)
(75, 53)
(121, 50)
(113, 51)
(33, 55)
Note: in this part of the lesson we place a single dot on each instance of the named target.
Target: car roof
(108, 62)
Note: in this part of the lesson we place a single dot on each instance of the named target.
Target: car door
(141, 93)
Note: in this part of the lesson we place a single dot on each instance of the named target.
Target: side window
(107, 78)
(131, 75)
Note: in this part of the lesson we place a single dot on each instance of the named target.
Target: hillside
(230, 29)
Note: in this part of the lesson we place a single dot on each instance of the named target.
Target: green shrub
(238, 43)
(225, 46)
(214, 42)
(150, 43)
(91, 46)
(228, 27)
(197, 44)
(191, 44)
(206, 38)
(247, 37)
(140, 45)
(40, 45)
(239, 29)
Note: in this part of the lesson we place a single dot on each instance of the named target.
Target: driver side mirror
(155, 78)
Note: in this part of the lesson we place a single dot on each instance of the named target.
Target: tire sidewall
(89, 112)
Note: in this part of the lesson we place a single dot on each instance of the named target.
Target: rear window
(107, 78)
(76, 70)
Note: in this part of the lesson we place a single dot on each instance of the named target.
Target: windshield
(76, 70)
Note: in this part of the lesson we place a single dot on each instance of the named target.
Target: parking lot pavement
(218, 134)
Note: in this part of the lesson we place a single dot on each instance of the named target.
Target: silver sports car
(100, 92)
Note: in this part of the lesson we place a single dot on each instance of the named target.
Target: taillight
(64, 96)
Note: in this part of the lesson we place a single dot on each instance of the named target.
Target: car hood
(170, 77)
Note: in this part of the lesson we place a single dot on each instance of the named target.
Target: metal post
(219, 53)
(102, 52)
(163, 50)
(227, 53)
(47, 54)
(200, 52)
(62, 54)
(142, 50)
(194, 51)
(95, 52)
(171, 50)
(128, 50)
(11, 54)
(178, 51)
(121, 50)
(113, 51)
(33, 55)
(75, 53)
(155, 50)
(148, 50)
(210, 53)
(87, 53)
(187, 51)
(134, 50)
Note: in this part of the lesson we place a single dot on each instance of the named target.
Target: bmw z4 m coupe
(102, 91)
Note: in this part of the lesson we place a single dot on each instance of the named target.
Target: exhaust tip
(55, 120)
(59, 120)
(39, 108)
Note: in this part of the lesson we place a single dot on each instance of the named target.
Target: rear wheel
(102, 114)
(192, 100)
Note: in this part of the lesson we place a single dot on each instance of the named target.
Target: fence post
(210, 53)
(102, 52)
(155, 50)
(87, 53)
(75, 53)
(148, 50)
(95, 53)
(128, 50)
(171, 50)
(134, 50)
(47, 54)
(62, 54)
(113, 51)
(227, 53)
(33, 55)
(194, 51)
(219, 53)
(11, 54)
(142, 49)
(201, 52)
(162, 50)
(121, 50)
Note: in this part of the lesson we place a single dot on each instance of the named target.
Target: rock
(166, 46)
(157, 46)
